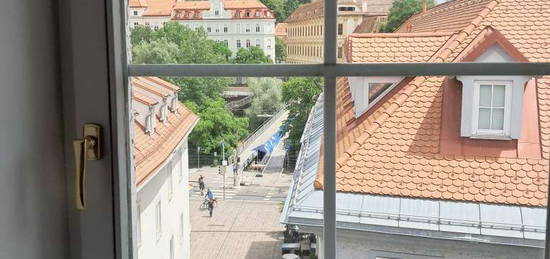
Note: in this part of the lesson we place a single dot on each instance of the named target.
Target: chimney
(424, 6)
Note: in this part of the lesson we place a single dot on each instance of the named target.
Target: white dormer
(216, 11)
(367, 91)
(492, 105)
(150, 121)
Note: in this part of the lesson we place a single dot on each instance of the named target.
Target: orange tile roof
(402, 147)
(137, 3)
(393, 47)
(142, 98)
(281, 29)
(192, 5)
(161, 82)
(451, 16)
(159, 7)
(369, 24)
(243, 4)
(307, 11)
(151, 151)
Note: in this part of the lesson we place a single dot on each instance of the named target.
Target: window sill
(490, 137)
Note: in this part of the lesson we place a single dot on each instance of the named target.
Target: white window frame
(492, 134)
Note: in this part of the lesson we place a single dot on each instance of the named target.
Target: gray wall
(33, 210)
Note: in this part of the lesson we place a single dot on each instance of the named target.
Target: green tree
(280, 50)
(141, 33)
(299, 95)
(401, 11)
(252, 55)
(277, 6)
(267, 99)
(216, 123)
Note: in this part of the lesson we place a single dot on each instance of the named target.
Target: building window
(187, 13)
(135, 12)
(225, 28)
(238, 43)
(257, 14)
(268, 44)
(257, 43)
(156, 28)
(491, 113)
(248, 43)
(147, 24)
(340, 29)
(217, 28)
(266, 13)
(217, 13)
(247, 28)
(208, 29)
(238, 13)
(257, 28)
(158, 219)
(247, 14)
(136, 23)
(226, 43)
(340, 52)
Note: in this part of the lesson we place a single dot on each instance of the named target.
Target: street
(238, 229)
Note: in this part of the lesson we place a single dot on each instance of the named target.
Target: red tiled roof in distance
(137, 3)
(142, 98)
(281, 29)
(451, 16)
(192, 5)
(394, 47)
(159, 7)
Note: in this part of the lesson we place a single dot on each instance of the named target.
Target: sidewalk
(238, 229)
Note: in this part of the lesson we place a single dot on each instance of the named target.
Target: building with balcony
(161, 127)
(305, 26)
(437, 166)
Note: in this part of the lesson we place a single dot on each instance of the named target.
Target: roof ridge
(450, 47)
(400, 34)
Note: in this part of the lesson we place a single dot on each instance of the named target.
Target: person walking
(201, 184)
(210, 196)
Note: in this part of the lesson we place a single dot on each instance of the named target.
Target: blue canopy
(269, 145)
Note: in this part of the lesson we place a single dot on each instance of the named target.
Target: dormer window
(163, 113)
(492, 108)
(367, 91)
(217, 13)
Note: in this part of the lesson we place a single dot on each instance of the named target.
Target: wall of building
(174, 207)
(356, 245)
(237, 30)
(33, 201)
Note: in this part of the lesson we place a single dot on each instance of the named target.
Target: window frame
(488, 133)
(117, 14)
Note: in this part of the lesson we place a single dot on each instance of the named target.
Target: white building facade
(237, 23)
(161, 129)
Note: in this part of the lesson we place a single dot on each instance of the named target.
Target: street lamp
(198, 157)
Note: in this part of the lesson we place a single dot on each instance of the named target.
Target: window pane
(498, 95)
(484, 121)
(485, 93)
(498, 119)
(376, 89)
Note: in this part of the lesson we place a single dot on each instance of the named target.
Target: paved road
(238, 229)
(271, 187)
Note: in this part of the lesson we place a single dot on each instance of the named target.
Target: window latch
(87, 148)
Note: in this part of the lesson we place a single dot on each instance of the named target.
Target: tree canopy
(401, 11)
(299, 94)
(252, 55)
(280, 50)
(267, 99)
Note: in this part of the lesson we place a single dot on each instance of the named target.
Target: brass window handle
(87, 148)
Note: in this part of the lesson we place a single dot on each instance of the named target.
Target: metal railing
(240, 102)
(252, 137)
